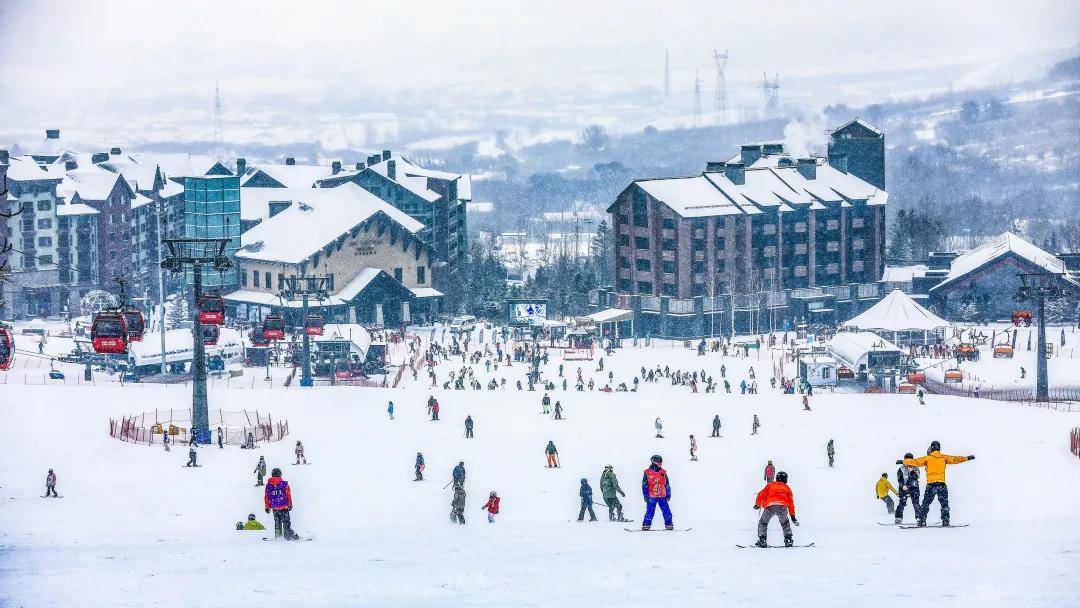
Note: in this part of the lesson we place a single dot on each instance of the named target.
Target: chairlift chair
(954, 375)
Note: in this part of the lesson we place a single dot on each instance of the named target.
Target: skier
(609, 487)
(558, 410)
(777, 501)
(831, 452)
(390, 410)
(468, 427)
(251, 524)
(806, 403)
(935, 463)
(220, 438)
(908, 479)
(656, 489)
(192, 458)
(586, 501)
(457, 506)
(921, 395)
(693, 448)
(300, 453)
(882, 490)
(770, 472)
(492, 506)
(659, 428)
(419, 467)
(546, 404)
(165, 440)
(277, 497)
(50, 485)
(552, 455)
(260, 471)
(193, 441)
(459, 474)
(755, 425)
(435, 409)
(715, 426)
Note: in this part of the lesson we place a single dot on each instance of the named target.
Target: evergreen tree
(602, 254)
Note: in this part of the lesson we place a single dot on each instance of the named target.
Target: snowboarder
(908, 479)
(715, 426)
(882, 490)
(250, 524)
(586, 501)
(755, 425)
(260, 471)
(558, 410)
(830, 451)
(419, 467)
(192, 458)
(390, 410)
(659, 428)
(165, 440)
(220, 439)
(468, 427)
(806, 403)
(457, 506)
(249, 443)
(459, 475)
(935, 463)
(50, 485)
(693, 448)
(552, 455)
(609, 487)
(435, 409)
(921, 395)
(656, 489)
(300, 453)
(546, 404)
(277, 498)
(770, 472)
(193, 440)
(492, 506)
(777, 501)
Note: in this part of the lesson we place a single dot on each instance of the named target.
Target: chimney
(277, 207)
(839, 162)
(808, 167)
(736, 172)
(785, 161)
(773, 149)
(391, 169)
(115, 152)
(241, 165)
(360, 166)
(5, 157)
(374, 159)
(714, 166)
(290, 161)
(99, 157)
(71, 165)
(335, 167)
(749, 153)
(52, 133)
(386, 155)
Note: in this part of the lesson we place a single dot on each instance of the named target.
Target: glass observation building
(212, 210)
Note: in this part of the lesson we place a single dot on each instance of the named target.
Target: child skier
(935, 463)
(755, 425)
(908, 479)
(419, 467)
(552, 455)
(659, 428)
(50, 485)
(545, 403)
(220, 438)
(770, 472)
(492, 506)
(390, 410)
(693, 448)
(192, 458)
(830, 451)
(251, 524)
(777, 501)
(609, 487)
(882, 490)
(656, 489)
(459, 475)
(586, 501)
(260, 470)
(277, 498)
(558, 410)
(300, 453)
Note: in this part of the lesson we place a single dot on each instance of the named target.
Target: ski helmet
(909, 455)
(656, 459)
(935, 446)
(275, 473)
(251, 517)
(781, 477)
(583, 480)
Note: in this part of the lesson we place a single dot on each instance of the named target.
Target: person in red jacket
(277, 497)
(777, 501)
(770, 472)
(492, 506)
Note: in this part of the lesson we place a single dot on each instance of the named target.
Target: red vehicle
(108, 333)
(273, 327)
(135, 323)
(313, 324)
(7, 349)
(211, 309)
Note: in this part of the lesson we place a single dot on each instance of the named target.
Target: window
(643, 265)
(624, 262)
(720, 242)
(641, 208)
(668, 244)
(832, 224)
(800, 248)
(44, 224)
(858, 222)
(644, 287)
(770, 251)
(421, 274)
(769, 229)
(669, 224)
(832, 246)
(44, 205)
(857, 266)
(243, 279)
(330, 282)
(624, 285)
(255, 278)
(44, 241)
(858, 245)
(668, 266)
(641, 242)
(668, 289)
(268, 283)
(280, 281)
(800, 271)
(833, 268)
(624, 239)
(397, 275)
(45, 259)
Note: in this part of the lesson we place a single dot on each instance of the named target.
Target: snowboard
(191, 466)
(58, 496)
(658, 530)
(910, 526)
(775, 546)
(295, 539)
(882, 523)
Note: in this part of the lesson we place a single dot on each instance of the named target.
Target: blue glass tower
(212, 210)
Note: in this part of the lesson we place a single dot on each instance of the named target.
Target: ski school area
(133, 526)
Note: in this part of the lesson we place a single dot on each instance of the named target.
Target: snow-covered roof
(91, 183)
(290, 176)
(903, 274)
(994, 249)
(345, 295)
(851, 347)
(426, 292)
(897, 312)
(75, 209)
(26, 169)
(611, 314)
(315, 220)
(357, 334)
(140, 200)
(178, 346)
(171, 188)
(862, 123)
(357, 284)
(690, 196)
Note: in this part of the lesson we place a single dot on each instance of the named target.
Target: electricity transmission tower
(667, 74)
(771, 90)
(218, 136)
(720, 102)
(697, 99)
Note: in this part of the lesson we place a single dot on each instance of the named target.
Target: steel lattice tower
(720, 102)
(667, 74)
(771, 91)
(697, 99)
(218, 136)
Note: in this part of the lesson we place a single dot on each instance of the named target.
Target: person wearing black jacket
(908, 478)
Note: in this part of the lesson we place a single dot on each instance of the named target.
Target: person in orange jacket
(777, 501)
(935, 463)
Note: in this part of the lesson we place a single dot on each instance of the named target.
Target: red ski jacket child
(492, 505)
(277, 495)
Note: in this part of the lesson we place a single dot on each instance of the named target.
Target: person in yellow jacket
(935, 463)
(251, 524)
(883, 488)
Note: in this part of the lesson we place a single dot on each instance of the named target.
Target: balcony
(681, 306)
(650, 303)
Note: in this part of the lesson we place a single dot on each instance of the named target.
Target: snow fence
(150, 427)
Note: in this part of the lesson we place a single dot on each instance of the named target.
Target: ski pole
(448, 484)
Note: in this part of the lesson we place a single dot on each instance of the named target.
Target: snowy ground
(136, 528)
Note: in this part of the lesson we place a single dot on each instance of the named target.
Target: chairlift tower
(720, 101)
(1038, 287)
(303, 288)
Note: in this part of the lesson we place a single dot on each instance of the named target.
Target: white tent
(897, 312)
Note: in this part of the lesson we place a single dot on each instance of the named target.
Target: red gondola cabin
(273, 327)
(108, 333)
(313, 325)
(211, 309)
(136, 325)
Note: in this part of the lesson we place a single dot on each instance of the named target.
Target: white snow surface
(136, 528)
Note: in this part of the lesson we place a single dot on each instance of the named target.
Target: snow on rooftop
(997, 247)
(75, 209)
(690, 196)
(903, 274)
(897, 312)
(290, 176)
